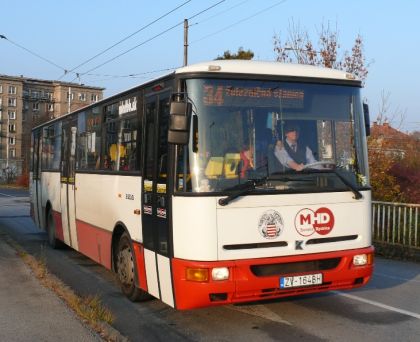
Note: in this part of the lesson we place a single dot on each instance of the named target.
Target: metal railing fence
(396, 223)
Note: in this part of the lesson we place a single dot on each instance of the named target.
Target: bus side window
(89, 139)
(121, 140)
(163, 161)
(129, 129)
(163, 140)
(183, 176)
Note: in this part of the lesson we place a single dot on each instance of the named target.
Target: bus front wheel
(52, 240)
(125, 271)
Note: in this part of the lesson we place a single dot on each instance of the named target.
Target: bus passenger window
(89, 139)
(121, 139)
(51, 147)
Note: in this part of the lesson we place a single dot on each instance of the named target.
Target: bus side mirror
(367, 118)
(179, 123)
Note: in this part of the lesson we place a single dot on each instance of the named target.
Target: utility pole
(185, 42)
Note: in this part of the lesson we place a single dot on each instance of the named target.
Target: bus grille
(256, 245)
(295, 267)
(331, 239)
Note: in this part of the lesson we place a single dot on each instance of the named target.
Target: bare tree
(389, 114)
(299, 48)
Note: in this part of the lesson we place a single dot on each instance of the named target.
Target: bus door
(67, 176)
(36, 177)
(155, 218)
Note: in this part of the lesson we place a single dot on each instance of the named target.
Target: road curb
(111, 334)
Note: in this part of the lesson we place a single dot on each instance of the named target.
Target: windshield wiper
(357, 194)
(251, 184)
(241, 189)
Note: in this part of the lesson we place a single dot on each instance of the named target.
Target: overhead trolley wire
(127, 51)
(32, 53)
(125, 38)
(205, 10)
(219, 13)
(148, 40)
(238, 22)
(136, 75)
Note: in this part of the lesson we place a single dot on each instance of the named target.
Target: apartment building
(27, 102)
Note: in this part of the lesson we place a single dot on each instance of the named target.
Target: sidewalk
(30, 312)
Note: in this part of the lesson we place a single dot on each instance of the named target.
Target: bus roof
(266, 68)
(244, 67)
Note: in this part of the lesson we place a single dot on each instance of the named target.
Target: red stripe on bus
(141, 266)
(59, 234)
(94, 242)
(244, 286)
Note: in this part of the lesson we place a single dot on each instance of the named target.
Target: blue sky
(69, 33)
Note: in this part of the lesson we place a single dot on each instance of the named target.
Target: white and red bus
(176, 184)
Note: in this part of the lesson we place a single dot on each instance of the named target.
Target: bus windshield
(279, 136)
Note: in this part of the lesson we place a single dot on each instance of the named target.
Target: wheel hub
(125, 266)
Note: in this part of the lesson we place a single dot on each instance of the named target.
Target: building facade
(27, 102)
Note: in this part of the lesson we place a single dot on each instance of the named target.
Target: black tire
(125, 269)
(52, 240)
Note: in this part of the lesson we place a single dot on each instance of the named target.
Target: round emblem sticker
(270, 224)
(308, 221)
(324, 222)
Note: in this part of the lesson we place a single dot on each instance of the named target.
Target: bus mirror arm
(179, 122)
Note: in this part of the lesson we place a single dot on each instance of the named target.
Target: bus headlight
(360, 259)
(220, 273)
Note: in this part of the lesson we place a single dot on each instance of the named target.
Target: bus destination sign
(224, 95)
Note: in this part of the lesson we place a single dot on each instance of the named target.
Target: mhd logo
(308, 221)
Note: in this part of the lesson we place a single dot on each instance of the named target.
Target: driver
(291, 154)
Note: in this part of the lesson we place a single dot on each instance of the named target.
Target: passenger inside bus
(123, 164)
(107, 163)
(291, 153)
(247, 160)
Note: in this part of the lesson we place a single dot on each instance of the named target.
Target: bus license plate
(303, 280)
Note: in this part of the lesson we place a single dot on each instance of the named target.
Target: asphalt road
(387, 309)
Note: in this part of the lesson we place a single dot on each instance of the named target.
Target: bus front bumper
(260, 279)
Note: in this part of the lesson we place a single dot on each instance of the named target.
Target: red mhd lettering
(305, 219)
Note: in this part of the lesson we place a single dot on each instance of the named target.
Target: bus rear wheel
(126, 272)
(52, 240)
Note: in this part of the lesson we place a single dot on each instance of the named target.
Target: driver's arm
(295, 166)
(285, 159)
(310, 156)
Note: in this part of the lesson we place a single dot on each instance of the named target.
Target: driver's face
(292, 136)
